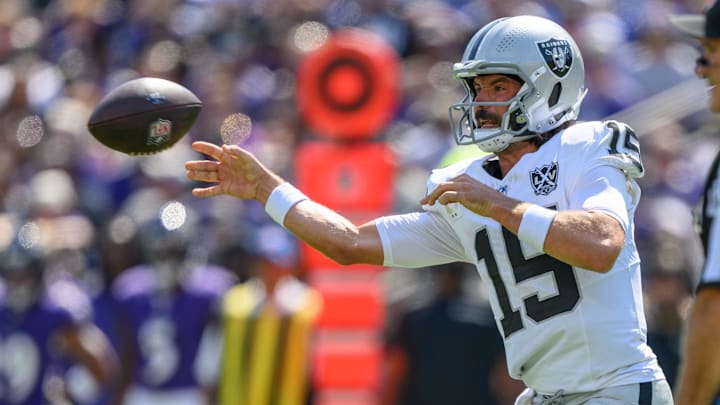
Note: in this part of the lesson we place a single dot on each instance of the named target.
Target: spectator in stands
(167, 312)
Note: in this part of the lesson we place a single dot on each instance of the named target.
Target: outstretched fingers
(205, 170)
(234, 171)
(211, 191)
(208, 148)
(202, 170)
(202, 165)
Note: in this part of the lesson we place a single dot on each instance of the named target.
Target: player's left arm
(593, 235)
(589, 239)
(589, 235)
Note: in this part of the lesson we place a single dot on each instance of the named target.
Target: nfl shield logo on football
(159, 132)
(544, 179)
(557, 54)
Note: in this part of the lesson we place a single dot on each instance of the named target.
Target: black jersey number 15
(524, 268)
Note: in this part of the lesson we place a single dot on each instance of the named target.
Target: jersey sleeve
(606, 143)
(131, 282)
(418, 240)
(210, 280)
(605, 160)
(605, 189)
(623, 149)
(70, 298)
(424, 238)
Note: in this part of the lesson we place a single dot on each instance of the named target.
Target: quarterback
(546, 217)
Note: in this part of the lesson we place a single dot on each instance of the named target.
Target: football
(144, 116)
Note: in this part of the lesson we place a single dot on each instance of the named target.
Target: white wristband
(535, 225)
(281, 199)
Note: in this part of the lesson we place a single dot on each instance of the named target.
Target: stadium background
(241, 57)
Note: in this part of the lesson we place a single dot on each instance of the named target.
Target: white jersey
(564, 327)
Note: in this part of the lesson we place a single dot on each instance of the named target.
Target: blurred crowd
(85, 204)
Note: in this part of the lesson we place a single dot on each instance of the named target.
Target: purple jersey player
(167, 309)
(43, 327)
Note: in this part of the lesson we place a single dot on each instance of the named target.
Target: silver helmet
(544, 57)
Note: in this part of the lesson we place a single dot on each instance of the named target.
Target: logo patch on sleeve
(544, 179)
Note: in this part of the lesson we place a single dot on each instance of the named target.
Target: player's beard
(484, 117)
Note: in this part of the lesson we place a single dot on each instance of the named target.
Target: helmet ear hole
(555, 94)
(517, 120)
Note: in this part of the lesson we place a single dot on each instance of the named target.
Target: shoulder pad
(441, 175)
(611, 143)
(132, 281)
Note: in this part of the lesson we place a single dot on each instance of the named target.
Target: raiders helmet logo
(558, 55)
(544, 179)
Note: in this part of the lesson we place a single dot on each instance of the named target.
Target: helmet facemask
(547, 61)
(512, 125)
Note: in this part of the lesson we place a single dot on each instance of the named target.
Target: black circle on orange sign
(337, 77)
(349, 87)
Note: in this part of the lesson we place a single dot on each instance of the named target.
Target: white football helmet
(539, 52)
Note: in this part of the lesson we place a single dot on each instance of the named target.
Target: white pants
(655, 393)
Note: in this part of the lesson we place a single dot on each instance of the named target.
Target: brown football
(144, 116)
